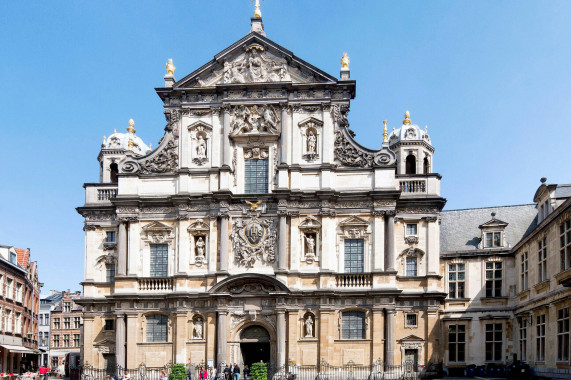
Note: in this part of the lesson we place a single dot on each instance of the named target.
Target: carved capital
(379, 213)
(215, 111)
(390, 213)
(431, 219)
(127, 218)
(90, 227)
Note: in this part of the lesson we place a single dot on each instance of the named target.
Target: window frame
(456, 343)
(494, 283)
(351, 244)
(162, 261)
(563, 335)
(565, 245)
(496, 343)
(151, 334)
(406, 319)
(524, 271)
(254, 169)
(495, 240)
(542, 260)
(540, 329)
(408, 232)
(349, 325)
(410, 270)
(456, 280)
(523, 339)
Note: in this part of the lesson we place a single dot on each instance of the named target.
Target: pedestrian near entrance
(212, 373)
(246, 372)
(236, 372)
(44, 372)
(203, 374)
(164, 375)
(227, 372)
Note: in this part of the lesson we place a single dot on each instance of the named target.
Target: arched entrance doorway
(255, 345)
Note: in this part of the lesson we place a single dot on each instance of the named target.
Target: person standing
(246, 372)
(212, 373)
(227, 372)
(236, 372)
(44, 372)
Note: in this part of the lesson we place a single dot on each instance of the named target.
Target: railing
(155, 284)
(106, 194)
(415, 186)
(353, 280)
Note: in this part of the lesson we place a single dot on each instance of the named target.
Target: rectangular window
(8, 320)
(353, 325)
(523, 338)
(159, 260)
(493, 342)
(55, 340)
(456, 278)
(411, 320)
(542, 260)
(411, 270)
(110, 237)
(493, 279)
(76, 322)
(256, 176)
(67, 307)
(540, 338)
(412, 229)
(563, 335)
(565, 244)
(75, 340)
(157, 328)
(46, 319)
(354, 255)
(9, 288)
(456, 343)
(56, 324)
(524, 271)
(110, 274)
(12, 257)
(66, 323)
(493, 239)
(109, 325)
(66, 340)
(19, 292)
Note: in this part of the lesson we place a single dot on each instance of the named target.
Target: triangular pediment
(354, 221)
(254, 59)
(494, 223)
(411, 338)
(157, 226)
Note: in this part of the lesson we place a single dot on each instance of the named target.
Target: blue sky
(491, 79)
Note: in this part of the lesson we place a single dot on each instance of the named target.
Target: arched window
(114, 170)
(157, 328)
(353, 325)
(426, 165)
(410, 164)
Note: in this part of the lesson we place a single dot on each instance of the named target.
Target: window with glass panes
(540, 338)
(157, 328)
(66, 323)
(411, 266)
(353, 325)
(159, 260)
(67, 307)
(412, 229)
(411, 320)
(110, 237)
(55, 339)
(523, 338)
(56, 324)
(563, 334)
(493, 239)
(456, 343)
(256, 176)
(456, 278)
(565, 244)
(75, 340)
(524, 271)
(493, 279)
(66, 340)
(354, 255)
(76, 322)
(110, 273)
(542, 260)
(493, 342)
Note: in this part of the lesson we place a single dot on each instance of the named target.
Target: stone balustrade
(413, 186)
(155, 284)
(353, 280)
(100, 192)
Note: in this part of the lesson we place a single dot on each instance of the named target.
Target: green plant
(259, 371)
(178, 372)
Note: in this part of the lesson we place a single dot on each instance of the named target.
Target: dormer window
(493, 239)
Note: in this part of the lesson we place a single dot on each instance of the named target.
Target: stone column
(378, 262)
(377, 334)
(179, 338)
(282, 245)
(221, 338)
(227, 149)
(224, 243)
(432, 248)
(390, 251)
(389, 337)
(131, 351)
(281, 328)
(122, 249)
(120, 340)
(285, 134)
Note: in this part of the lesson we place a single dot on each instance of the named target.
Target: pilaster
(120, 340)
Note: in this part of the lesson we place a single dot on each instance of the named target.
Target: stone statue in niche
(200, 247)
(309, 327)
(198, 325)
(311, 142)
(310, 244)
(201, 147)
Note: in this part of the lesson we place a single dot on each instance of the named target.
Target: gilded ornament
(345, 62)
(254, 205)
(257, 11)
(406, 120)
(385, 131)
(170, 67)
(131, 127)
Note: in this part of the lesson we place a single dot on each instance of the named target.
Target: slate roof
(563, 191)
(459, 228)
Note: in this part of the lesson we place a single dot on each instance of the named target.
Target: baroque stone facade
(258, 229)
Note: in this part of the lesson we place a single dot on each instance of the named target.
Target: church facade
(258, 229)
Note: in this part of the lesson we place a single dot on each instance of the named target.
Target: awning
(17, 349)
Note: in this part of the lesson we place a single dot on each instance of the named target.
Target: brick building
(19, 306)
(66, 320)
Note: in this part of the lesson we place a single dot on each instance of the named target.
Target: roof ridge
(482, 208)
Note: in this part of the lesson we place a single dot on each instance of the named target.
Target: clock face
(254, 233)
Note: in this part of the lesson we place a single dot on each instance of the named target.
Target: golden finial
(345, 62)
(131, 126)
(406, 120)
(104, 139)
(130, 143)
(170, 67)
(151, 146)
(426, 131)
(385, 131)
(114, 130)
(257, 11)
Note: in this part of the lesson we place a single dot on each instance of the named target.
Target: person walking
(212, 373)
(164, 375)
(236, 372)
(44, 372)
(227, 372)
(246, 372)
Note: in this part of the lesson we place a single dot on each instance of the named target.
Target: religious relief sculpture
(256, 66)
(310, 228)
(201, 147)
(255, 120)
(311, 142)
(200, 138)
(308, 326)
(199, 250)
(309, 247)
(254, 240)
(199, 231)
(198, 328)
(255, 153)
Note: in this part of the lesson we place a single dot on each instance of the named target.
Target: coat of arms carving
(254, 240)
